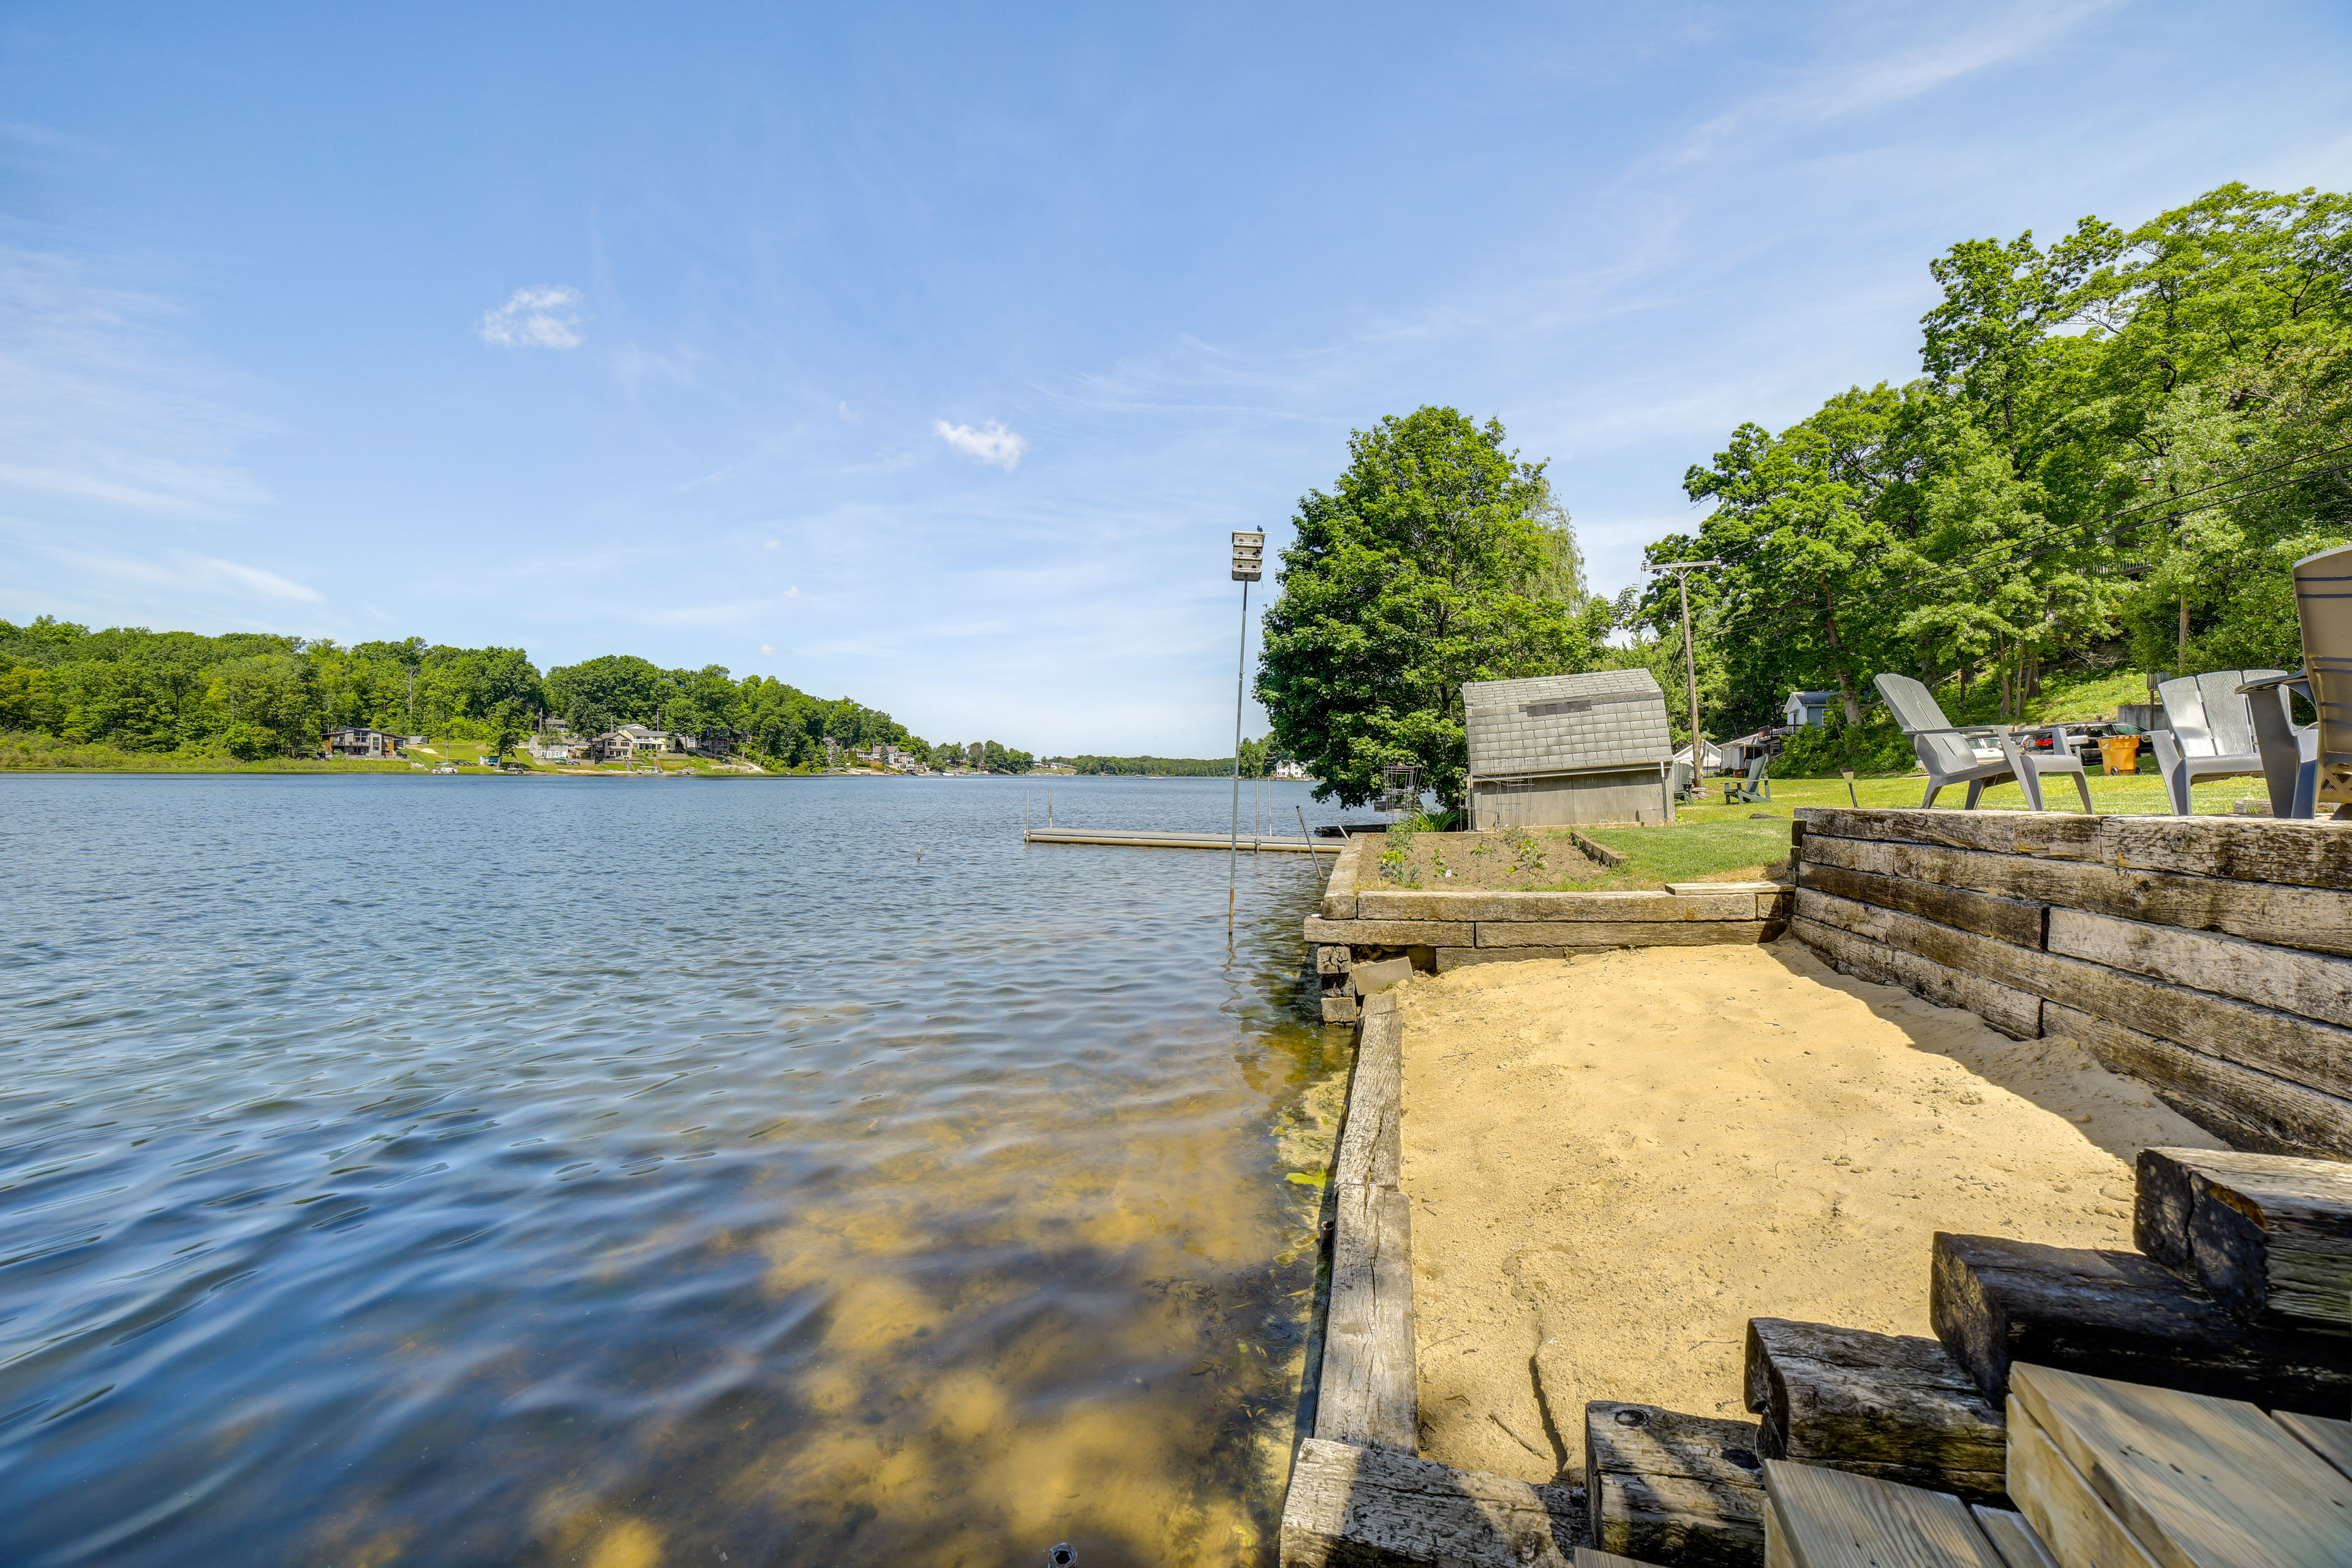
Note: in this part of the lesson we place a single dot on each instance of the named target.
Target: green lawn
(1688, 852)
(2140, 794)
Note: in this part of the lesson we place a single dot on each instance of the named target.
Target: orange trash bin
(2121, 753)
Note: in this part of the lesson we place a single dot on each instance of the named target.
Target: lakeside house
(631, 742)
(357, 740)
(1806, 709)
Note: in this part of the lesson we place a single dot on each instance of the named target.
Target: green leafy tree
(1436, 558)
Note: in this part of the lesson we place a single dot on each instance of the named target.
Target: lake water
(417, 1169)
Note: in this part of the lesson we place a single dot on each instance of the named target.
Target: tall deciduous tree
(1438, 558)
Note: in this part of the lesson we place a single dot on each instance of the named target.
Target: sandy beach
(1615, 1161)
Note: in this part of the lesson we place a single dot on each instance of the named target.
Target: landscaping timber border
(1363, 920)
(1359, 1493)
(2208, 957)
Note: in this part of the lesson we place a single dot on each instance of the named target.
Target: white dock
(1153, 838)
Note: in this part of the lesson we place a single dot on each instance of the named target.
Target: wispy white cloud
(99, 402)
(991, 443)
(546, 317)
(180, 573)
(767, 650)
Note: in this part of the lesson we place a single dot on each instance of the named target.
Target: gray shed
(1558, 749)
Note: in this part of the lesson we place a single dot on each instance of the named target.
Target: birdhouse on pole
(1249, 557)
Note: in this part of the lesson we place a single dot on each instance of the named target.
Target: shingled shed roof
(1566, 723)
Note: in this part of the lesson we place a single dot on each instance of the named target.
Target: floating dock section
(1154, 839)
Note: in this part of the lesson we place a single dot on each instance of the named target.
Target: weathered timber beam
(2285, 1044)
(1994, 1301)
(2056, 834)
(2268, 1236)
(2008, 920)
(1664, 1487)
(2254, 1109)
(2311, 984)
(1352, 1507)
(2014, 1013)
(1896, 1408)
(2250, 849)
(1745, 928)
(1391, 933)
(2315, 918)
(1340, 892)
(1368, 1392)
(1715, 904)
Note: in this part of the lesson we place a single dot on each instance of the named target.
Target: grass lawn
(1726, 850)
(2140, 794)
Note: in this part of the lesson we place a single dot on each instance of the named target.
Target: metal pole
(1690, 668)
(1234, 850)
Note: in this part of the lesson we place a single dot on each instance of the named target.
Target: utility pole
(1249, 565)
(1681, 571)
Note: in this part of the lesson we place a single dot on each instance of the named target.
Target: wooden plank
(1716, 903)
(1994, 1302)
(2286, 1045)
(2014, 1013)
(1368, 1392)
(1333, 958)
(2080, 1530)
(1897, 1408)
(1340, 892)
(1453, 958)
(2200, 1482)
(1826, 1519)
(2312, 984)
(2313, 918)
(1391, 933)
(1350, 1507)
(1370, 1137)
(2252, 850)
(2251, 1108)
(2329, 1438)
(2009, 919)
(1367, 1395)
(2268, 1236)
(2013, 1536)
(2054, 835)
(1668, 1488)
(1631, 934)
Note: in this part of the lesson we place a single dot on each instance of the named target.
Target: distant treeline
(252, 695)
(1257, 758)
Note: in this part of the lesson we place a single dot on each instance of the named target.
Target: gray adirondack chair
(2212, 733)
(1756, 785)
(1979, 754)
(2305, 767)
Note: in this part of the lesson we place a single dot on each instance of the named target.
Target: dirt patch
(1516, 861)
(1615, 1161)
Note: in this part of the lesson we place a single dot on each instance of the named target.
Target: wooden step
(2331, 1440)
(2118, 1315)
(1897, 1408)
(1820, 1518)
(2195, 1482)
(2013, 1536)
(2268, 1236)
(1664, 1487)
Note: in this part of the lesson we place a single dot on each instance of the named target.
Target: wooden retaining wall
(1364, 921)
(2209, 957)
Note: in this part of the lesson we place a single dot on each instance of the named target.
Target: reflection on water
(626, 1173)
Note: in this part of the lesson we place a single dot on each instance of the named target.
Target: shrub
(1874, 746)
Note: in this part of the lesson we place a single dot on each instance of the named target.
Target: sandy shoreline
(1615, 1161)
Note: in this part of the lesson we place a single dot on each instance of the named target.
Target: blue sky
(926, 354)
